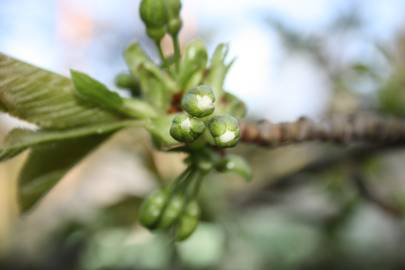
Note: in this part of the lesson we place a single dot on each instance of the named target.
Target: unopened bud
(186, 129)
(225, 130)
(199, 101)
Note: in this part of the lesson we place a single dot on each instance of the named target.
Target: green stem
(188, 179)
(161, 54)
(137, 108)
(176, 45)
(183, 177)
(197, 184)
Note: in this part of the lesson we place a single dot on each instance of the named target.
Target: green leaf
(236, 164)
(44, 98)
(159, 128)
(48, 163)
(218, 69)
(135, 56)
(156, 85)
(153, 89)
(20, 139)
(96, 93)
(192, 65)
(231, 104)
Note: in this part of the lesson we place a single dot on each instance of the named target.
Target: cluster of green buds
(199, 106)
(181, 99)
(161, 17)
(174, 207)
(185, 107)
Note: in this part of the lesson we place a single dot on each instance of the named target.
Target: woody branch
(355, 128)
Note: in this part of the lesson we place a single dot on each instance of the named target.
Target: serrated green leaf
(20, 139)
(44, 98)
(96, 93)
(235, 164)
(48, 163)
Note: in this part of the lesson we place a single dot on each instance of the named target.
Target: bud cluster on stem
(161, 17)
(191, 84)
(174, 206)
(199, 105)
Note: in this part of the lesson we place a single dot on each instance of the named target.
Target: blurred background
(293, 58)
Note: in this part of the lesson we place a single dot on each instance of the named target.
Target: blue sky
(275, 85)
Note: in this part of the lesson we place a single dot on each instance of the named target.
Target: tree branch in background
(295, 177)
(364, 128)
(369, 195)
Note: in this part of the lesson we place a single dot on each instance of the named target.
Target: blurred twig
(365, 192)
(356, 154)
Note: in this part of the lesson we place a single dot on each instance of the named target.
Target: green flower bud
(124, 81)
(174, 20)
(173, 210)
(153, 13)
(199, 101)
(156, 33)
(188, 222)
(186, 129)
(173, 8)
(154, 16)
(127, 81)
(225, 130)
(174, 26)
(151, 209)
